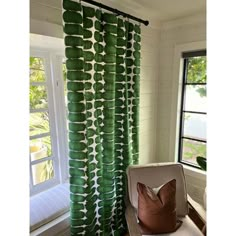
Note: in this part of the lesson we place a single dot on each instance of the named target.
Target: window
(192, 136)
(47, 126)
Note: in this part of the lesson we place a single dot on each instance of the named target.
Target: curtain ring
(100, 8)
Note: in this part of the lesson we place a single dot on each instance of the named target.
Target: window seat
(48, 205)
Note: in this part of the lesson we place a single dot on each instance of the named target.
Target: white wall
(45, 19)
(181, 31)
(148, 94)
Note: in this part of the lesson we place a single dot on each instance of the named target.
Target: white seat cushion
(188, 228)
(48, 205)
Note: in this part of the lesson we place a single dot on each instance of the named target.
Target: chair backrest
(154, 175)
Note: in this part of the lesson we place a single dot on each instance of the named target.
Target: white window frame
(53, 54)
(177, 93)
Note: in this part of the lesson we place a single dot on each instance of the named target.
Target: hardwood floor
(197, 220)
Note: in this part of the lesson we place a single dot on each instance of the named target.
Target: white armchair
(155, 175)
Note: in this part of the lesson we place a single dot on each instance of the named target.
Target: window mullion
(52, 108)
(38, 83)
(38, 110)
(39, 135)
(31, 176)
(58, 87)
(41, 160)
(195, 112)
(194, 139)
(187, 83)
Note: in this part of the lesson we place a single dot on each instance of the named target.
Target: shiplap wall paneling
(148, 93)
(181, 31)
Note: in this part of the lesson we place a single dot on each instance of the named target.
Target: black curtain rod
(145, 22)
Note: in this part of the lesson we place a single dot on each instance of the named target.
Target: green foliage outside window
(192, 148)
(197, 72)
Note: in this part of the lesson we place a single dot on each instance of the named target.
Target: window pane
(37, 75)
(195, 98)
(195, 125)
(39, 123)
(36, 63)
(64, 71)
(42, 172)
(196, 71)
(38, 97)
(192, 149)
(40, 148)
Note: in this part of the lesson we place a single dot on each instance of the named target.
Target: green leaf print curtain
(103, 67)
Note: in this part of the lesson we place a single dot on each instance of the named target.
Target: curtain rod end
(146, 22)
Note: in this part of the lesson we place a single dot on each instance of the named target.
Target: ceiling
(162, 10)
(157, 10)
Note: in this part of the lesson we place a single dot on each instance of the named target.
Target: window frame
(185, 56)
(177, 78)
(57, 116)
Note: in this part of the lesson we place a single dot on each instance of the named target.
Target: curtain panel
(103, 67)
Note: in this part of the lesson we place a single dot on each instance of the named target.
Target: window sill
(48, 206)
(194, 172)
(58, 226)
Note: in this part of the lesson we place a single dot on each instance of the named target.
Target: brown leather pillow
(157, 212)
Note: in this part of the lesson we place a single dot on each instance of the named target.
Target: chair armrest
(131, 220)
(199, 210)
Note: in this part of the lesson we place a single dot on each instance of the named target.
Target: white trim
(50, 44)
(183, 21)
(43, 28)
(176, 94)
(60, 104)
(53, 123)
(44, 186)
